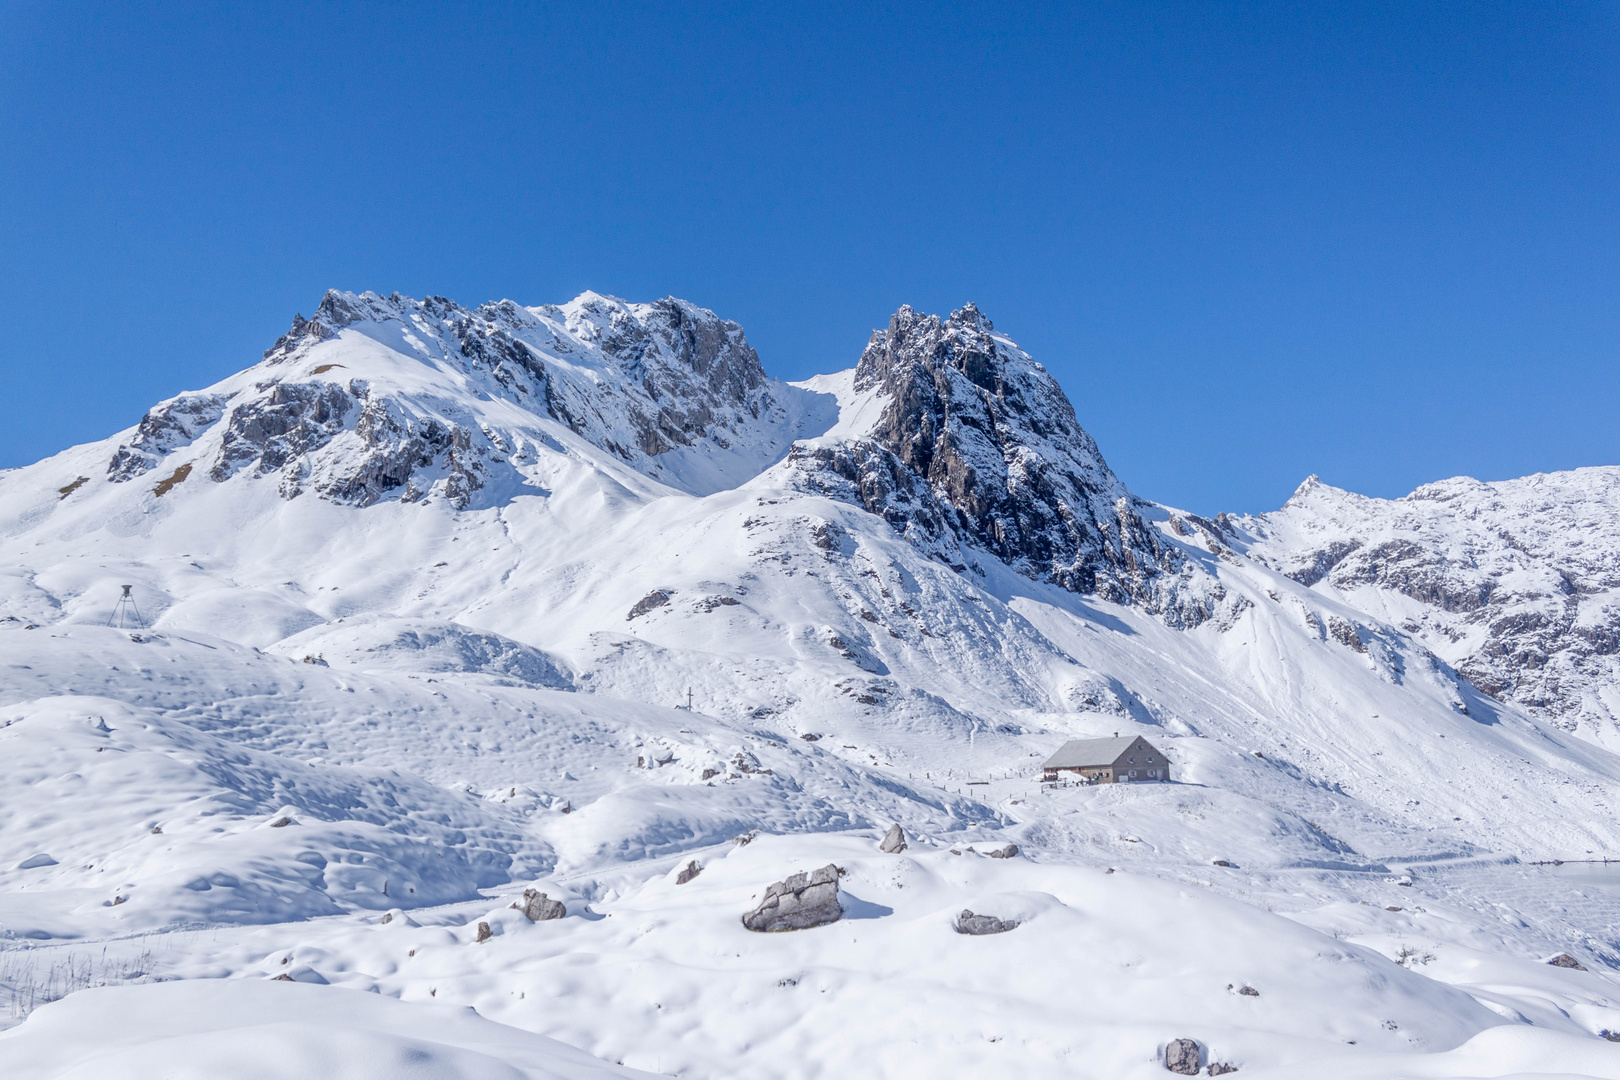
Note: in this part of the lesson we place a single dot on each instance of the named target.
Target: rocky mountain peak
(976, 445)
(380, 396)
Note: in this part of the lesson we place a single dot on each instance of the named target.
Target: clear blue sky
(1375, 242)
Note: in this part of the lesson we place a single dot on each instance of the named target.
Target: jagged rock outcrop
(976, 446)
(799, 903)
(1515, 584)
(164, 428)
(894, 841)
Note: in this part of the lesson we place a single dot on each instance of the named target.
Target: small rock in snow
(1220, 1068)
(1248, 991)
(799, 903)
(688, 872)
(969, 923)
(484, 933)
(894, 841)
(1007, 852)
(281, 823)
(1563, 960)
(1181, 1057)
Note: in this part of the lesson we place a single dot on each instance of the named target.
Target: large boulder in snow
(1181, 1057)
(537, 907)
(800, 902)
(894, 841)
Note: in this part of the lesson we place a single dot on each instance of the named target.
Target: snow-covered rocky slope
(1515, 583)
(444, 603)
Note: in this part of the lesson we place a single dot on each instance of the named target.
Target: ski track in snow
(358, 727)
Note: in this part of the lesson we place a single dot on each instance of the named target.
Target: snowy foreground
(427, 590)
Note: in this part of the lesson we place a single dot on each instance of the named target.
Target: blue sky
(1374, 242)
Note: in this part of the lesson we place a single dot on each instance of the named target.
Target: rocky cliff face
(976, 445)
(387, 397)
(1516, 584)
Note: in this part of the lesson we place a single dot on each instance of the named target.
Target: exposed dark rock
(978, 448)
(688, 872)
(799, 903)
(1220, 1068)
(537, 907)
(894, 841)
(280, 823)
(290, 421)
(1183, 1056)
(1006, 852)
(1248, 991)
(652, 601)
(484, 933)
(1564, 960)
(969, 923)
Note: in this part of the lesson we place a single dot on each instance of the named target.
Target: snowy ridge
(378, 397)
(1517, 583)
(438, 584)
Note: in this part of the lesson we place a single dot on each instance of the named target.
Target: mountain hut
(1108, 761)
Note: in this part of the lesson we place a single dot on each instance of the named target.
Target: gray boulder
(1564, 960)
(894, 841)
(800, 902)
(969, 923)
(1007, 852)
(688, 872)
(1181, 1057)
(537, 907)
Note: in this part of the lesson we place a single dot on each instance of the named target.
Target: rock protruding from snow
(688, 872)
(894, 841)
(976, 446)
(969, 923)
(538, 907)
(1564, 960)
(1008, 851)
(1182, 1056)
(802, 901)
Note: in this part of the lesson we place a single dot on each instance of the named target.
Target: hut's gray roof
(1086, 753)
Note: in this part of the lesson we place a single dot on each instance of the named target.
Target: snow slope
(431, 587)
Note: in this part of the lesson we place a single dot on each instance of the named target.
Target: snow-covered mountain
(1517, 584)
(448, 602)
